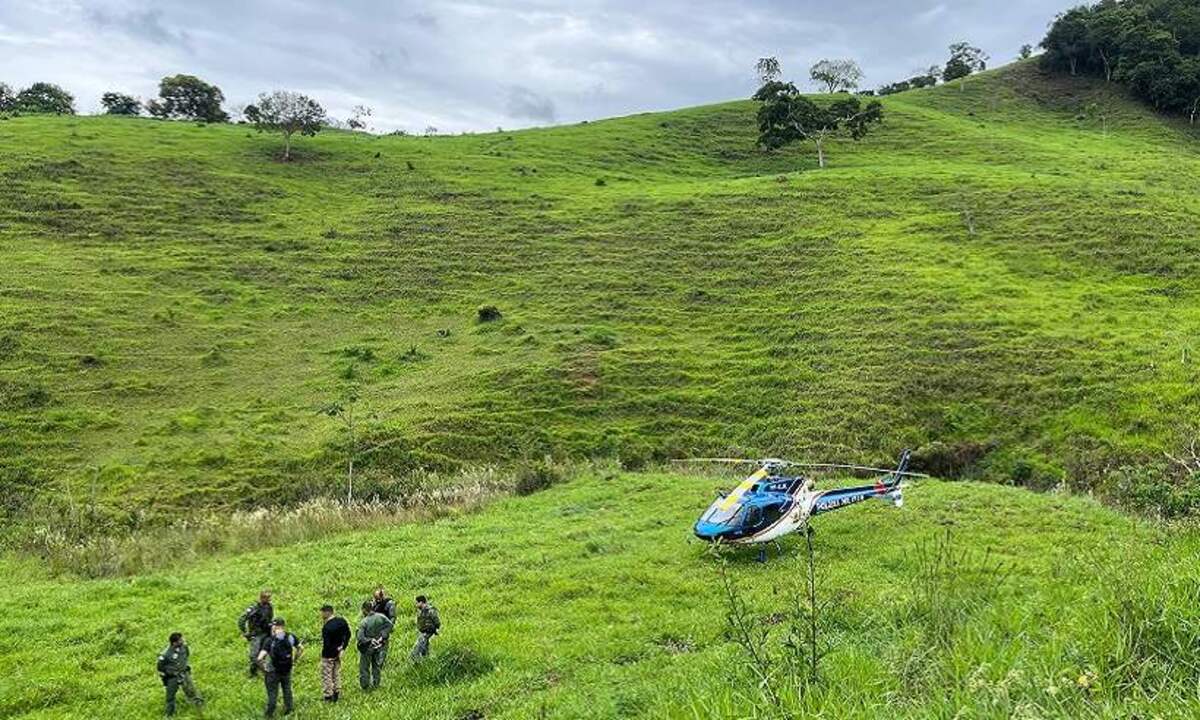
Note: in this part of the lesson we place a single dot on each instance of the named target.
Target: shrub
(537, 477)
(949, 460)
(489, 313)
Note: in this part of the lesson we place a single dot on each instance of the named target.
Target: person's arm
(344, 639)
(162, 664)
(243, 620)
(297, 649)
(387, 629)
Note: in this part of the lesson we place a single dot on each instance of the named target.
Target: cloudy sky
(482, 64)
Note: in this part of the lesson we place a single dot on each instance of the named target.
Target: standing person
(428, 624)
(255, 625)
(176, 673)
(277, 657)
(335, 638)
(373, 632)
(384, 605)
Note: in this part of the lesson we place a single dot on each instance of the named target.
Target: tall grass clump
(65, 548)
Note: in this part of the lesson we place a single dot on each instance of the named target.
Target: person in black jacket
(335, 638)
(277, 657)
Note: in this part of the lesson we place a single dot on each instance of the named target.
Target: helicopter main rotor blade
(725, 461)
(864, 468)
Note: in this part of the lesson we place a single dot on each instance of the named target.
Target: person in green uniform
(373, 632)
(428, 624)
(255, 626)
(176, 672)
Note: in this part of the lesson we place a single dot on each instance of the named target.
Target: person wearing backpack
(277, 658)
(428, 624)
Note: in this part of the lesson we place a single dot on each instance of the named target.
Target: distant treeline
(1152, 46)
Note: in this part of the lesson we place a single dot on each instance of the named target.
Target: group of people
(274, 651)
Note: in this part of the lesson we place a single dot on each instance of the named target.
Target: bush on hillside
(949, 460)
(488, 313)
(537, 476)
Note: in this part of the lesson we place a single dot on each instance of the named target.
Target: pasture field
(1005, 272)
(591, 600)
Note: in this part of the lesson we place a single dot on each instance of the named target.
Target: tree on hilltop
(360, 118)
(8, 99)
(187, 97)
(42, 98)
(965, 60)
(287, 113)
(836, 75)
(116, 103)
(767, 69)
(786, 116)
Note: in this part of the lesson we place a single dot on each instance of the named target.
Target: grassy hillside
(992, 269)
(591, 600)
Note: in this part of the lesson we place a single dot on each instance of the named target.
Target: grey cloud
(432, 62)
(140, 24)
(525, 104)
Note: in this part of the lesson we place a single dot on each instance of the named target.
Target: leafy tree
(44, 99)
(1105, 35)
(359, 117)
(964, 61)
(767, 69)
(187, 97)
(120, 104)
(1026, 52)
(8, 99)
(1066, 44)
(836, 75)
(785, 116)
(287, 113)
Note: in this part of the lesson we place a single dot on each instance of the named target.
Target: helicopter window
(771, 514)
(753, 516)
(721, 516)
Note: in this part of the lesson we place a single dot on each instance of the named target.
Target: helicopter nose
(708, 532)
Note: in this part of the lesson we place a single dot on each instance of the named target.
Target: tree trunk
(1195, 110)
(821, 153)
(287, 147)
(1107, 66)
(1073, 66)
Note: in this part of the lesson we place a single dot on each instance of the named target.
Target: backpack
(281, 653)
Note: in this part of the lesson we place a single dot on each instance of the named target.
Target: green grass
(591, 600)
(175, 304)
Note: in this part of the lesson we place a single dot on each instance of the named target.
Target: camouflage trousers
(331, 676)
(174, 684)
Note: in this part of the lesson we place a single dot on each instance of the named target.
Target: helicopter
(771, 503)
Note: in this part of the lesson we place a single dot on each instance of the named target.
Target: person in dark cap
(176, 672)
(277, 658)
(335, 638)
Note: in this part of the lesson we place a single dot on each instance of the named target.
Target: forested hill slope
(1008, 268)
